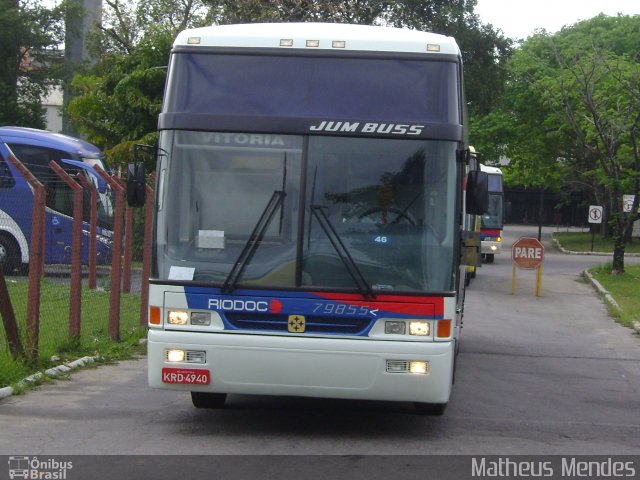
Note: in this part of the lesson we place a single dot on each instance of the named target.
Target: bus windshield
(414, 90)
(390, 202)
(492, 219)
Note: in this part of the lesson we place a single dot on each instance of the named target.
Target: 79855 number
(341, 309)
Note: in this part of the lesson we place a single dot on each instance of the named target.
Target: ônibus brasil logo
(38, 469)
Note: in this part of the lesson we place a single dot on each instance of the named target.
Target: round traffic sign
(527, 253)
(595, 214)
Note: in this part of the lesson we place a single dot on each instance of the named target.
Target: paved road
(548, 375)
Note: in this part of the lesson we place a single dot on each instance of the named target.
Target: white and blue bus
(308, 214)
(493, 219)
(35, 149)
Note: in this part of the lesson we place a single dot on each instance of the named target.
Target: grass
(625, 289)
(54, 327)
(581, 242)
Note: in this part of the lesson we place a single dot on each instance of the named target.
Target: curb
(51, 372)
(602, 290)
(608, 297)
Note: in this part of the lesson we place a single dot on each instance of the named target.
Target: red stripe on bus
(390, 303)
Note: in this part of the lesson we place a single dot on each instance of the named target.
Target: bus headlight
(420, 368)
(175, 355)
(200, 318)
(181, 317)
(420, 328)
(178, 317)
(395, 328)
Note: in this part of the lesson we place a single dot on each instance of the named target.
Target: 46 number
(382, 239)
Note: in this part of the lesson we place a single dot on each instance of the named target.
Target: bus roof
(33, 136)
(319, 36)
(488, 169)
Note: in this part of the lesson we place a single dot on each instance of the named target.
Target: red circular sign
(527, 253)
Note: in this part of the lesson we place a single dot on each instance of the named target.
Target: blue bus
(35, 149)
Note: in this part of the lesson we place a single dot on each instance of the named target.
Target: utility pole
(75, 49)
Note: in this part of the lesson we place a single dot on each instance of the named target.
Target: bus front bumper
(305, 366)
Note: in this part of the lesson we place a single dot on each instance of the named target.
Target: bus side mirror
(136, 185)
(477, 202)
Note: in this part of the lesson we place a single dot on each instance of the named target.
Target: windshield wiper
(341, 250)
(254, 240)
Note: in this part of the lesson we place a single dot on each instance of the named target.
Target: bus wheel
(489, 257)
(431, 409)
(9, 253)
(208, 400)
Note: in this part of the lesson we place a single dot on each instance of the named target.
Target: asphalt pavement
(536, 375)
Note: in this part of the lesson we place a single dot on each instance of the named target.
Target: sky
(519, 18)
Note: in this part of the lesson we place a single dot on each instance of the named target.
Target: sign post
(595, 216)
(528, 254)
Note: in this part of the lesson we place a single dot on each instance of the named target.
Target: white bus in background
(493, 219)
(308, 235)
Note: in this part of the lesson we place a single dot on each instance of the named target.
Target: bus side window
(36, 158)
(6, 179)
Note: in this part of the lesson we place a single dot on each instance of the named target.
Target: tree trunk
(618, 254)
(617, 224)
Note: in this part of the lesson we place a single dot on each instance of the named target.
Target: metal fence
(68, 283)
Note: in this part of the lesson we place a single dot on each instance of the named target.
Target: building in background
(53, 106)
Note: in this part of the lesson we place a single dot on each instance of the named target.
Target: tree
(30, 60)
(598, 95)
(117, 104)
(336, 11)
(575, 95)
(118, 99)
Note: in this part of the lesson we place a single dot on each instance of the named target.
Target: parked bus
(308, 215)
(35, 149)
(493, 218)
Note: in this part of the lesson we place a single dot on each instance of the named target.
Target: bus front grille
(312, 324)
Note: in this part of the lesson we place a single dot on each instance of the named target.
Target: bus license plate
(186, 376)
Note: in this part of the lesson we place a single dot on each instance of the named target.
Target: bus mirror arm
(477, 198)
(136, 184)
